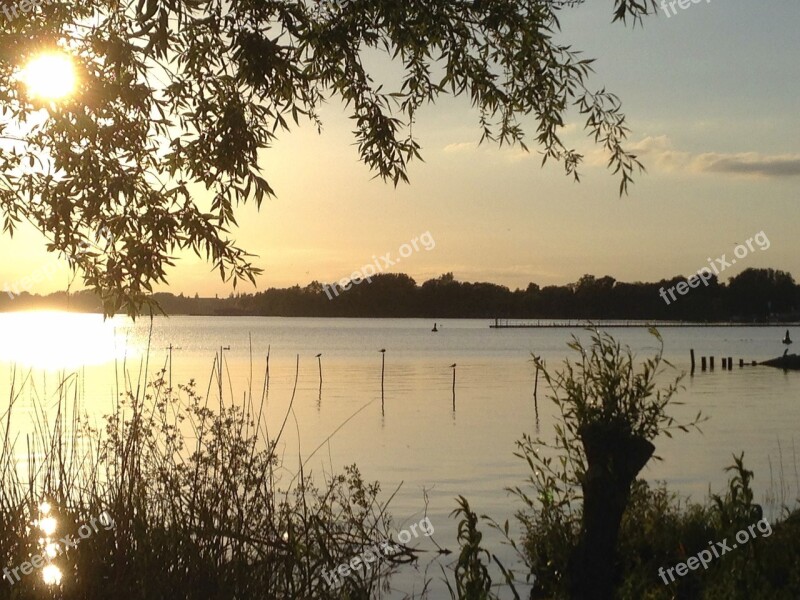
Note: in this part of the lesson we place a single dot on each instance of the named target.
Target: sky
(711, 99)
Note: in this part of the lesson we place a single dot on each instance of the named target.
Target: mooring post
(711, 362)
(741, 363)
(383, 370)
(691, 353)
(453, 366)
(730, 363)
(266, 375)
(703, 365)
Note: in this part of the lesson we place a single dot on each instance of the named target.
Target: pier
(582, 323)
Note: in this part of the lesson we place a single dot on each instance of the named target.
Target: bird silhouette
(382, 350)
(453, 366)
(320, 354)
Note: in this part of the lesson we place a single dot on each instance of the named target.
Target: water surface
(413, 438)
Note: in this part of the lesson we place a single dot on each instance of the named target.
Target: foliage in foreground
(658, 530)
(178, 100)
(196, 504)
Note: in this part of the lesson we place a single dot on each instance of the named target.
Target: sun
(50, 76)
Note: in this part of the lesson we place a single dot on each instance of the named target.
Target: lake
(414, 439)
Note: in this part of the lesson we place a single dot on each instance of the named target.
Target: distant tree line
(753, 295)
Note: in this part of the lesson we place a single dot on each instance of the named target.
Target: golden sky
(710, 93)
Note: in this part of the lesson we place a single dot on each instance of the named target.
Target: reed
(199, 509)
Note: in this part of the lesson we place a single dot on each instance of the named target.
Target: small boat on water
(435, 329)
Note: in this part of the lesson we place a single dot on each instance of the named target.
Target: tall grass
(194, 491)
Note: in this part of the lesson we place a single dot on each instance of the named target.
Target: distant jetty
(789, 362)
(581, 323)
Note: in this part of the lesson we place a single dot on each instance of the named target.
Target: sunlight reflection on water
(54, 340)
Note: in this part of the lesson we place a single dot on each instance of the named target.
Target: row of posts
(727, 363)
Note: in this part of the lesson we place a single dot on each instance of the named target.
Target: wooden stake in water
(170, 366)
(219, 376)
(266, 381)
(536, 390)
(453, 366)
(383, 369)
(319, 360)
(221, 348)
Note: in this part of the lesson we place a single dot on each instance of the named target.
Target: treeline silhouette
(753, 295)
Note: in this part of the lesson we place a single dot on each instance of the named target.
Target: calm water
(417, 441)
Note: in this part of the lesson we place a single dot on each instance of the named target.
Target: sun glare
(49, 76)
(51, 575)
(55, 340)
(48, 525)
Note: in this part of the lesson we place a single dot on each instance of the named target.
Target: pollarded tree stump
(614, 458)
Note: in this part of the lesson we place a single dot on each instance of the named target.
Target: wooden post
(703, 364)
(319, 361)
(691, 353)
(741, 363)
(730, 363)
(711, 362)
(724, 364)
(454, 387)
(383, 369)
(170, 366)
(266, 379)
(219, 375)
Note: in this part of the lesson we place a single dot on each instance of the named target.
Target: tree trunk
(614, 458)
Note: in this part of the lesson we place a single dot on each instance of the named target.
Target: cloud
(752, 164)
(518, 272)
(513, 153)
(460, 147)
(658, 152)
